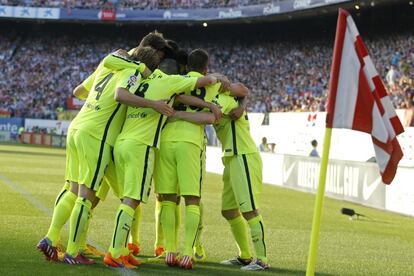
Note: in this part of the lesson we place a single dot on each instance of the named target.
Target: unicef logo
(167, 15)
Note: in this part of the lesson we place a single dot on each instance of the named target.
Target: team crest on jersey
(132, 80)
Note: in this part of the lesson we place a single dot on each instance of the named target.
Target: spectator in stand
(314, 151)
(264, 147)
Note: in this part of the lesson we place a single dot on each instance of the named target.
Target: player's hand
(163, 108)
(121, 53)
(236, 113)
(173, 117)
(216, 111)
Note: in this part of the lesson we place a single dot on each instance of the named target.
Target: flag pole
(316, 223)
(333, 86)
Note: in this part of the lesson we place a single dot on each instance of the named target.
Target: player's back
(234, 135)
(144, 124)
(101, 116)
(181, 130)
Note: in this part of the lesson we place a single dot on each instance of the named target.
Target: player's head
(198, 61)
(182, 60)
(169, 66)
(172, 49)
(148, 56)
(155, 40)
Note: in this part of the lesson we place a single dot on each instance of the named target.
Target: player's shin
(61, 214)
(258, 237)
(78, 222)
(191, 223)
(122, 226)
(134, 238)
(177, 222)
(168, 225)
(159, 233)
(239, 230)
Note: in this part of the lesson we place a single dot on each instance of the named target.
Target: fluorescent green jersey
(145, 124)
(101, 116)
(234, 135)
(184, 131)
(115, 63)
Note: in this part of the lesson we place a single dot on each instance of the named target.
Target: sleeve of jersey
(180, 84)
(88, 83)
(129, 79)
(116, 63)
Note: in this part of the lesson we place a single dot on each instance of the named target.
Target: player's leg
(93, 158)
(64, 202)
(238, 227)
(199, 252)
(165, 182)
(189, 171)
(136, 164)
(134, 238)
(246, 179)
(159, 247)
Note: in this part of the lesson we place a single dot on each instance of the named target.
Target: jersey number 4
(100, 86)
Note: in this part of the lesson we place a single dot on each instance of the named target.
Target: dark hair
(314, 143)
(148, 56)
(182, 57)
(169, 66)
(155, 40)
(197, 60)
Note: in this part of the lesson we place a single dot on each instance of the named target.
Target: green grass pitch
(31, 177)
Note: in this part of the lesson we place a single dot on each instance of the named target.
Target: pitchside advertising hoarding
(9, 128)
(165, 14)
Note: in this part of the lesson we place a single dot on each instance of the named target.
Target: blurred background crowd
(38, 73)
(135, 4)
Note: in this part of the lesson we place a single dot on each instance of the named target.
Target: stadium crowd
(37, 77)
(133, 4)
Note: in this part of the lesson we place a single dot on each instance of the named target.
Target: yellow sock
(239, 230)
(168, 225)
(191, 222)
(123, 221)
(134, 238)
(78, 221)
(258, 237)
(84, 235)
(61, 214)
(200, 227)
(177, 223)
(159, 233)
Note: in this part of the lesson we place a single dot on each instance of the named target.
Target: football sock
(84, 234)
(257, 232)
(200, 227)
(239, 230)
(61, 214)
(134, 238)
(78, 221)
(123, 222)
(168, 225)
(159, 232)
(191, 222)
(177, 223)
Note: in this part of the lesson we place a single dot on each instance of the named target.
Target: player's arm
(123, 96)
(80, 92)
(200, 118)
(237, 112)
(119, 60)
(194, 101)
(238, 90)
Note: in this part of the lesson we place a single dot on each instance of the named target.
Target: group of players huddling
(143, 120)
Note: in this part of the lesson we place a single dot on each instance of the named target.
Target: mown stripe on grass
(49, 212)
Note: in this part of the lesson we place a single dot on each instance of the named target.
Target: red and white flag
(358, 99)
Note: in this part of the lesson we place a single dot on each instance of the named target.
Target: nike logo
(242, 203)
(287, 173)
(368, 190)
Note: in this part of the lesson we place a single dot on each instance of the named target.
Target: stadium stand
(282, 77)
(133, 4)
